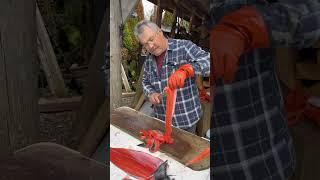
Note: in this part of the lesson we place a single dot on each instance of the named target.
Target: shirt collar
(170, 44)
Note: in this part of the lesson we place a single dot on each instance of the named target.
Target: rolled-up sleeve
(198, 58)
(292, 23)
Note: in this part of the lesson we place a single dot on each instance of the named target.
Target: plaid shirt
(188, 108)
(249, 133)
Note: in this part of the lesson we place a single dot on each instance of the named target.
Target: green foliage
(73, 34)
(167, 19)
(132, 45)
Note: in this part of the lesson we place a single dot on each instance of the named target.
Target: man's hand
(235, 34)
(176, 80)
(154, 98)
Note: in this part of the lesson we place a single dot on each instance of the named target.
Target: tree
(167, 19)
(140, 10)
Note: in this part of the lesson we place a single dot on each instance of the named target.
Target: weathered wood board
(185, 146)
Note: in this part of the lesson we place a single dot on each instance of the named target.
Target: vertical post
(159, 14)
(174, 23)
(19, 115)
(115, 56)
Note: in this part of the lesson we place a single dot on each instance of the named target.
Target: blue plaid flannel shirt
(249, 132)
(188, 108)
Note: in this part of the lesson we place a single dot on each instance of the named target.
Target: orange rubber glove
(176, 80)
(235, 34)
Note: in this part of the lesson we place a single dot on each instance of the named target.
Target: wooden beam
(125, 80)
(94, 93)
(127, 8)
(97, 130)
(59, 104)
(191, 20)
(19, 115)
(115, 55)
(308, 71)
(159, 14)
(174, 23)
(48, 59)
(140, 102)
(57, 159)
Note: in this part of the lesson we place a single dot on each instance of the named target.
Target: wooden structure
(19, 115)
(51, 161)
(94, 94)
(48, 59)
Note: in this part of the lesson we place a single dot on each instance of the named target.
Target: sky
(148, 8)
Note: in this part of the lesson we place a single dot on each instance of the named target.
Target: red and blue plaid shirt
(249, 134)
(188, 108)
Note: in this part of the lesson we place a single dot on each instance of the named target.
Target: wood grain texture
(19, 114)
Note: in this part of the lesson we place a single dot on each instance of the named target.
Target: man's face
(153, 42)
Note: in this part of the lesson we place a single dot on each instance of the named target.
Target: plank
(140, 102)
(94, 94)
(97, 130)
(19, 116)
(125, 80)
(59, 104)
(115, 55)
(48, 59)
(68, 163)
(185, 146)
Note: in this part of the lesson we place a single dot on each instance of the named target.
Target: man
(250, 135)
(174, 63)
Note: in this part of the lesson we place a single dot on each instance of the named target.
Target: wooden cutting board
(185, 146)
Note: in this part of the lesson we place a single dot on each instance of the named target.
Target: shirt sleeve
(146, 85)
(198, 58)
(292, 23)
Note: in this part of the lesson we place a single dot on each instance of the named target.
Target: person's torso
(187, 107)
(249, 131)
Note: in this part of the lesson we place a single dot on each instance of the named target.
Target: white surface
(120, 139)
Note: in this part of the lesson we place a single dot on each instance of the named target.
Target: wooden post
(115, 56)
(174, 24)
(48, 59)
(19, 116)
(191, 21)
(159, 14)
(94, 93)
(97, 130)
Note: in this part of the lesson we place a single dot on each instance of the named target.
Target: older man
(173, 63)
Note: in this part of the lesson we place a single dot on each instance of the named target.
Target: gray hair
(139, 28)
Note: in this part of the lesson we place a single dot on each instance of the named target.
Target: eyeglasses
(150, 40)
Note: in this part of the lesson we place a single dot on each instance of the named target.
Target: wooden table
(120, 139)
